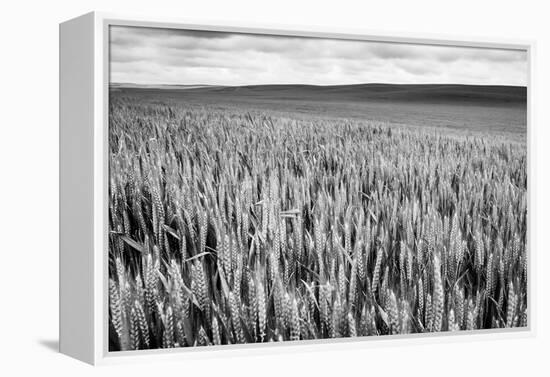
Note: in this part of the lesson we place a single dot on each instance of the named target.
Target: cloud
(173, 56)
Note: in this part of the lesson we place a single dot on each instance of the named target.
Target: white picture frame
(84, 190)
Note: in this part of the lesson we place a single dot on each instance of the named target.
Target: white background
(29, 184)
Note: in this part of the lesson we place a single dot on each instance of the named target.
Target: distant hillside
(426, 93)
(159, 86)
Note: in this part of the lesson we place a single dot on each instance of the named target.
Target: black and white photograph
(273, 188)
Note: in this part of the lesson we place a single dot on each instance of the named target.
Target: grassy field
(466, 108)
(237, 219)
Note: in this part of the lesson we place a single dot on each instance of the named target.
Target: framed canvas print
(229, 188)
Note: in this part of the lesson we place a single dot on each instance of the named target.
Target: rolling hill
(432, 93)
(467, 107)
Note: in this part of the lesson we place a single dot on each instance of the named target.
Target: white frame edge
(76, 239)
(77, 267)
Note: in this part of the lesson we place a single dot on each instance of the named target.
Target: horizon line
(316, 85)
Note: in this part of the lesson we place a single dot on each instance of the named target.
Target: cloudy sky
(170, 56)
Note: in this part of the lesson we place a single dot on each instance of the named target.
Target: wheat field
(234, 226)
